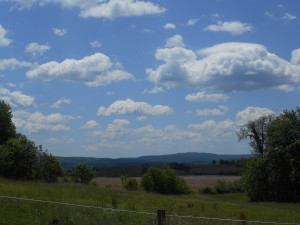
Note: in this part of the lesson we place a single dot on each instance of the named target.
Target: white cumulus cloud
(4, 41)
(221, 110)
(37, 49)
(60, 141)
(16, 98)
(251, 113)
(115, 8)
(215, 129)
(155, 90)
(94, 70)
(233, 27)
(288, 16)
(206, 97)
(61, 101)
(175, 41)
(38, 122)
(130, 107)
(96, 44)
(192, 22)
(169, 26)
(225, 67)
(13, 64)
(91, 124)
(59, 32)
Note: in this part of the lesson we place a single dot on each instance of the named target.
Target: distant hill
(189, 157)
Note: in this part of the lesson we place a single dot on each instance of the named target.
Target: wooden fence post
(161, 217)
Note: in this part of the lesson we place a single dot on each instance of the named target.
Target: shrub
(237, 186)
(114, 201)
(18, 158)
(49, 168)
(164, 182)
(190, 205)
(222, 187)
(131, 184)
(206, 190)
(83, 173)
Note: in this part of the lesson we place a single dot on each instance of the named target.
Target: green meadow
(233, 206)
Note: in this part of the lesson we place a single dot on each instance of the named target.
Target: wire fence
(159, 218)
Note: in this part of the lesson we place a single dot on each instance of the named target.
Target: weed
(114, 202)
(190, 205)
(242, 216)
(108, 185)
(206, 190)
(214, 206)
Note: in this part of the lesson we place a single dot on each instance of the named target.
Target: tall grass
(221, 206)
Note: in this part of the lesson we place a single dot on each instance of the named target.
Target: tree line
(273, 174)
(20, 158)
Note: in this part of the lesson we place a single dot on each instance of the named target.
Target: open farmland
(194, 169)
(194, 182)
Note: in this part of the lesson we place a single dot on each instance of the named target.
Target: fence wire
(205, 220)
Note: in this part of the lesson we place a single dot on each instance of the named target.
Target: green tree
(274, 172)
(164, 182)
(49, 168)
(256, 132)
(83, 173)
(18, 157)
(131, 184)
(7, 127)
(255, 177)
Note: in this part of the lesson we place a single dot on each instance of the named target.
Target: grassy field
(234, 206)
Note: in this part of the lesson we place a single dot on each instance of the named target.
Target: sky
(127, 78)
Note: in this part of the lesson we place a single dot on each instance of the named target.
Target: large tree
(256, 131)
(48, 167)
(7, 127)
(274, 172)
(18, 157)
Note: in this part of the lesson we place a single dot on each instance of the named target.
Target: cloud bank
(225, 67)
(4, 41)
(94, 70)
(232, 27)
(98, 9)
(130, 107)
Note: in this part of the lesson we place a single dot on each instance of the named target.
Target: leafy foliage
(274, 173)
(18, 158)
(131, 184)
(49, 168)
(83, 173)
(164, 182)
(7, 127)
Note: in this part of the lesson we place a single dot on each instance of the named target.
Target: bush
(49, 168)
(222, 187)
(83, 173)
(164, 182)
(131, 184)
(206, 190)
(18, 158)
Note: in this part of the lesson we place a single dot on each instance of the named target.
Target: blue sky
(126, 78)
